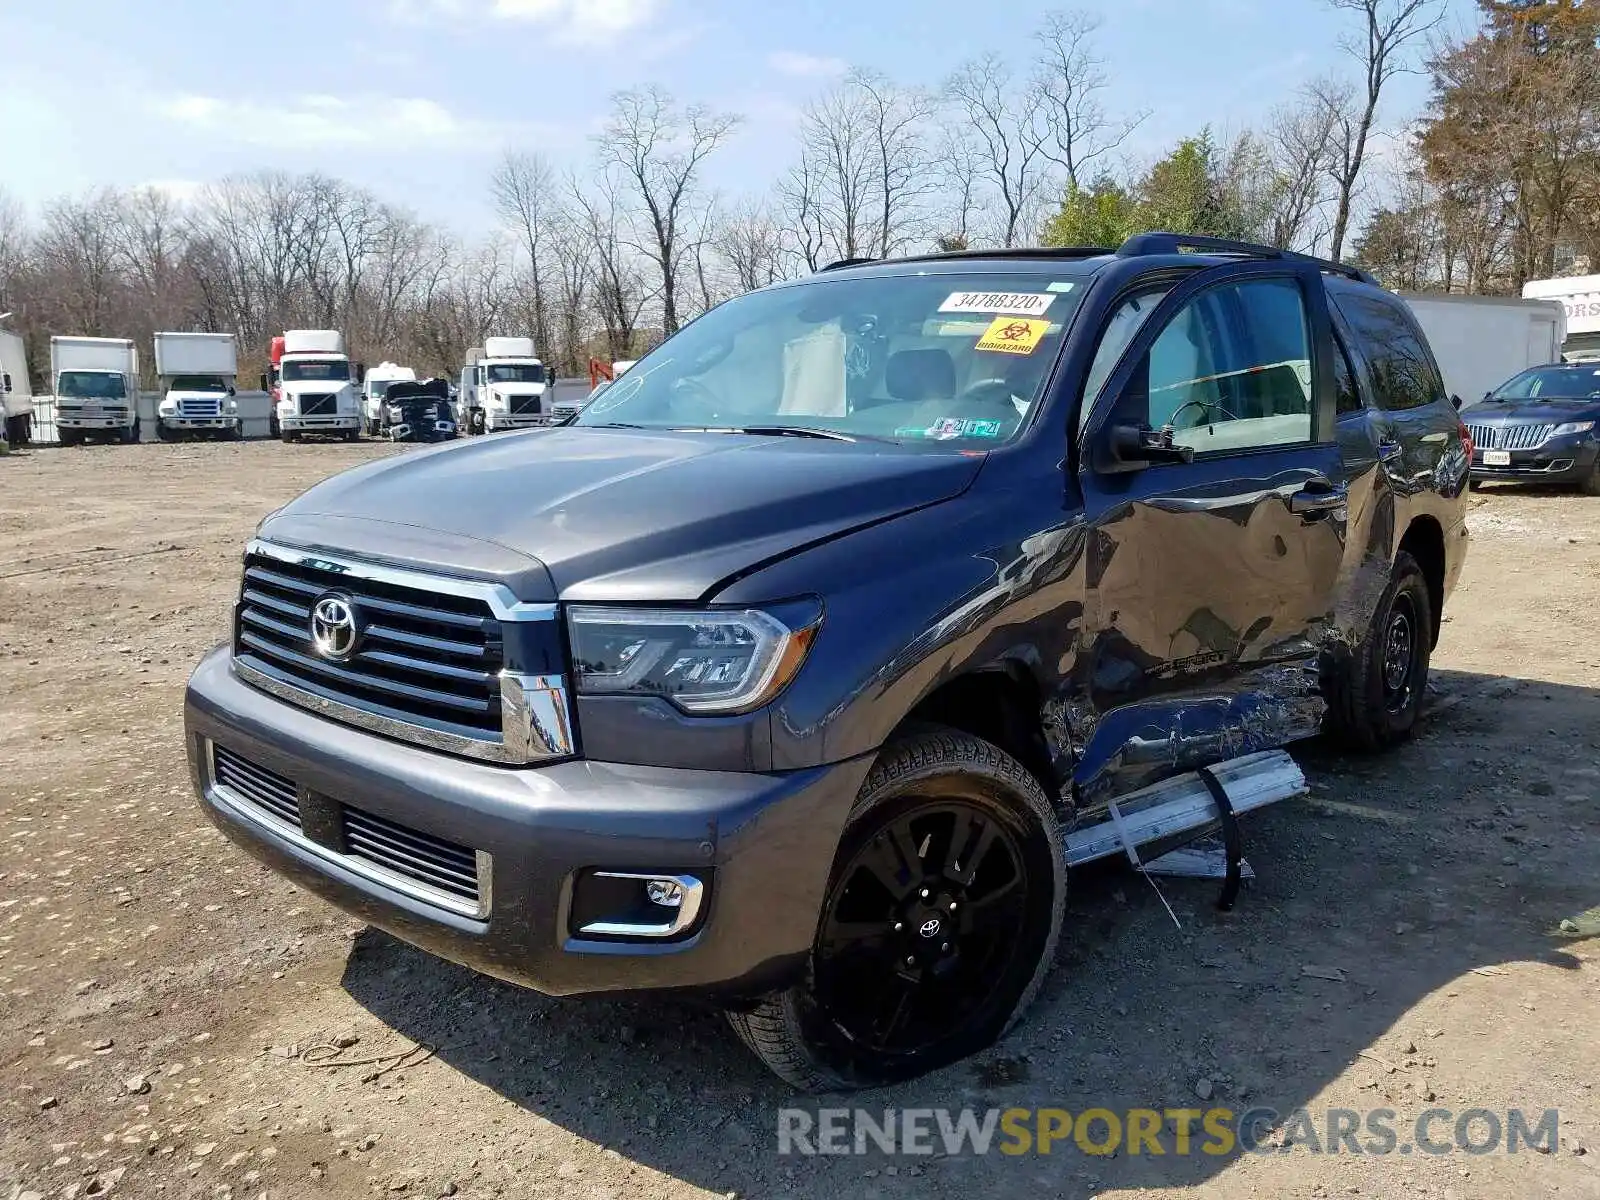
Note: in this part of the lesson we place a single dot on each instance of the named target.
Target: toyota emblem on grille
(333, 626)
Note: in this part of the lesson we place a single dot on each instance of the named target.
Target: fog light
(635, 905)
(666, 892)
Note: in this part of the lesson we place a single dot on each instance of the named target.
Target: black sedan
(1542, 426)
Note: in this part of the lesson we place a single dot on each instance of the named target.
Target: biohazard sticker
(1013, 335)
(1025, 304)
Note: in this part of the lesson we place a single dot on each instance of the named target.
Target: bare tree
(525, 195)
(1300, 140)
(1008, 123)
(752, 242)
(78, 254)
(1069, 83)
(898, 153)
(960, 168)
(658, 149)
(1387, 27)
(620, 293)
(833, 191)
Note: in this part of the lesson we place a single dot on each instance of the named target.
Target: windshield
(910, 358)
(1552, 383)
(91, 385)
(198, 383)
(302, 372)
(515, 373)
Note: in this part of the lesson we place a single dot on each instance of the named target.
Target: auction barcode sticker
(1022, 304)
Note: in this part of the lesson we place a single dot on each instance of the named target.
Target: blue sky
(417, 98)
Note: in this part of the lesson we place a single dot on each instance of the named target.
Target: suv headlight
(1573, 427)
(702, 660)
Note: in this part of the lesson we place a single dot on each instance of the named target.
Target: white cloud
(320, 121)
(181, 190)
(570, 22)
(806, 66)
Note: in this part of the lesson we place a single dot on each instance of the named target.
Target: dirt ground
(159, 992)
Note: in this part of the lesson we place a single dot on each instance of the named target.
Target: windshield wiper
(831, 435)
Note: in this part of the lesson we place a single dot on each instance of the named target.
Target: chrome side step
(1184, 803)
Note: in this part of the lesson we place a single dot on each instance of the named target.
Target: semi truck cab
(317, 385)
(503, 386)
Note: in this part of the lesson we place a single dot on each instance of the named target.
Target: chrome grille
(1509, 437)
(523, 405)
(451, 664)
(199, 408)
(322, 404)
(429, 860)
(254, 784)
(424, 658)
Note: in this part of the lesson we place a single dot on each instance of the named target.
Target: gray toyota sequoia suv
(800, 667)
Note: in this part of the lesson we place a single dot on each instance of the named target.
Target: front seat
(917, 375)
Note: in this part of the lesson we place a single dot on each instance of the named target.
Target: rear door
(1210, 583)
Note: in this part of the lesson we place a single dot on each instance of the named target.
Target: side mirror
(361, 372)
(1488, 395)
(264, 386)
(5, 382)
(1455, 403)
(1134, 447)
(231, 392)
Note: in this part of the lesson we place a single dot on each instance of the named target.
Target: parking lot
(177, 1021)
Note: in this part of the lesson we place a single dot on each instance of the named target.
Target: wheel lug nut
(911, 960)
(945, 948)
(924, 893)
(952, 906)
(899, 925)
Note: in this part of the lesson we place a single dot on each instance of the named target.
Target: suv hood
(1543, 412)
(611, 514)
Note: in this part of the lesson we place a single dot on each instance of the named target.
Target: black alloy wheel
(938, 925)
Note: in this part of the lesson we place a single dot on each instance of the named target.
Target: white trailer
(16, 391)
(317, 386)
(375, 388)
(503, 386)
(1579, 297)
(198, 373)
(1482, 341)
(96, 383)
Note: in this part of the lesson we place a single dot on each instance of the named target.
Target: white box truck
(375, 388)
(1482, 341)
(503, 386)
(1579, 297)
(96, 383)
(198, 372)
(16, 392)
(317, 385)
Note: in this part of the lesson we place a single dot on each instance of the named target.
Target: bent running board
(1184, 803)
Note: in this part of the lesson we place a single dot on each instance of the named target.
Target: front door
(1211, 582)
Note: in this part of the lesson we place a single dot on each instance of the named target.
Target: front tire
(938, 927)
(1376, 696)
(1590, 486)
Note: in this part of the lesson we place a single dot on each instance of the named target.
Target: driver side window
(1230, 371)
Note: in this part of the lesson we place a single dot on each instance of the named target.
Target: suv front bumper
(762, 845)
(299, 424)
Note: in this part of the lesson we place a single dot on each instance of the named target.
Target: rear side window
(1345, 377)
(1399, 366)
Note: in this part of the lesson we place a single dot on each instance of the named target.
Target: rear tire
(884, 999)
(290, 435)
(1376, 695)
(71, 437)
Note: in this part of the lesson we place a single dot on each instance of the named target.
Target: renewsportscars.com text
(1172, 1131)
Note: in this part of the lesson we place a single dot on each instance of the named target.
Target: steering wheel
(988, 391)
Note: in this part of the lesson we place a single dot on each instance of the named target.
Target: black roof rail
(846, 262)
(1141, 244)
(1037, 252)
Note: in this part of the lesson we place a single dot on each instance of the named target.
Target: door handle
(1314, 501)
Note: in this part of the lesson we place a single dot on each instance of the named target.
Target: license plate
(1497, 458)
